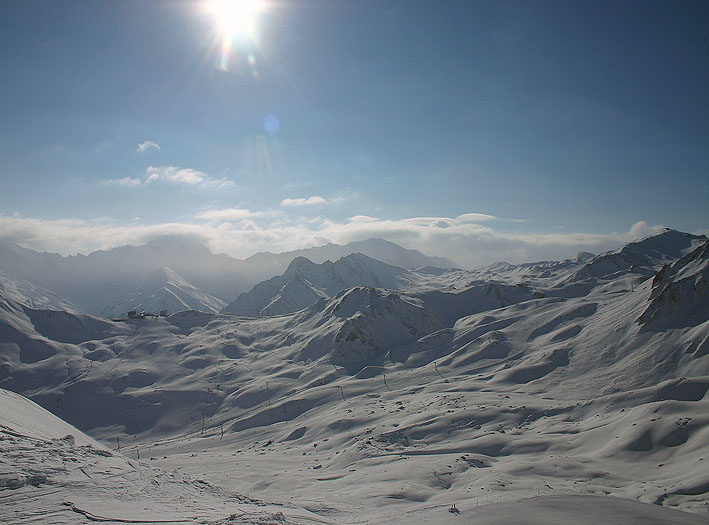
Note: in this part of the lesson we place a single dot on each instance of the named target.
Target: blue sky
(480, 130)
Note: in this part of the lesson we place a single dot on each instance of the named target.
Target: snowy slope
(538, 273)
(164, 290)
(361, 327)
(32, 295)
(50, 472)
(452, 303)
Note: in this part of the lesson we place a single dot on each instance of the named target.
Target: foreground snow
(52, 473)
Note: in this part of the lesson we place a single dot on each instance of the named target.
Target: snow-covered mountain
(541, 272)
(99, 280)
(360, 327)
(379, 249)
(451, 293)
(643, 256)
(304, 282)
(96, 282)
(164, 290)
(380, 405)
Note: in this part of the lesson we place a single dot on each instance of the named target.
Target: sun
(236, 18)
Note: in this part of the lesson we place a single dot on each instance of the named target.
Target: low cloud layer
(240, 233)
(311, 202)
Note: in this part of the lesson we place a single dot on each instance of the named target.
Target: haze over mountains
(356, 390)
(106, 282)
(165, 290)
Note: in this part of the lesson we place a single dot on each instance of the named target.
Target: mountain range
(304, 282)
(104, 282)
(356, 390)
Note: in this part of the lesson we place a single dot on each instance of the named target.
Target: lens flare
(271, 124)
(224, 56)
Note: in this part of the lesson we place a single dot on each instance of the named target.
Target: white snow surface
(50, 472)
(26, 292)
(560, 398)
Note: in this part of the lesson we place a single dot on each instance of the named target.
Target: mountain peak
(644, 256)
(678, 296)
(300, 263)
(583, 257)
(304, 282)
(165, 289)
(668, 243)
(357, 256)
(164, 276)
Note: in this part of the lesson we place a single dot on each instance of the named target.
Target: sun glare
(236, 18)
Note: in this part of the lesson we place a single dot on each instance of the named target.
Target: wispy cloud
(315, 200)
(144, 146)
(241, 232)
(125, 181)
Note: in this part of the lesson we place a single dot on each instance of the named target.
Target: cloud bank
(241, 232)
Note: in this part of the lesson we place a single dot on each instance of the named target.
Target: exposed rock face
(680, 292)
